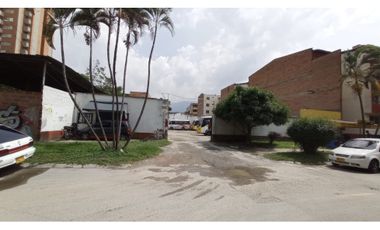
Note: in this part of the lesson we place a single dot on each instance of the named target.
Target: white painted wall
(221, 127)
(264, 130)
(155, 113)
(182, 116)
(57, 109)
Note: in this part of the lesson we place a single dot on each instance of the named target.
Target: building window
(207, 98)
(5, 43)
(207, 111)
(207, 105)
(8, 27)
(9, 11)
(8, 19)
(6, 35)
(375, 100)
(89, 117)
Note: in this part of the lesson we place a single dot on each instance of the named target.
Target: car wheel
(373, 166)
(334, 164)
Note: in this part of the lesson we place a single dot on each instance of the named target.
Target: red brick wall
(303, 82)
(226, 91)
(26, 116)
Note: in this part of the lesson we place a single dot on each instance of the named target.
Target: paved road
(191, 180)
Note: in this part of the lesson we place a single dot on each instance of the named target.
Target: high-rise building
(21, 31)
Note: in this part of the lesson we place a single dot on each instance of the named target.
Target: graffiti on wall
(14, 118)
(10, 117)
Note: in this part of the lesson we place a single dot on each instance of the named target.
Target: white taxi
(359, 153)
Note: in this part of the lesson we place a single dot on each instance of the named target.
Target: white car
(15, 147)
(359, 153)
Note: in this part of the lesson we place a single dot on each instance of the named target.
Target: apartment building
(207, 103)
(21, 31)
(192, 109)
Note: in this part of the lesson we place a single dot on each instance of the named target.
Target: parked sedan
(15, 146)
(359, 153)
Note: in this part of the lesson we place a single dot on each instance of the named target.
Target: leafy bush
(311, 133)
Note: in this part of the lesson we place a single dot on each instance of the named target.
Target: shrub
(311, 133)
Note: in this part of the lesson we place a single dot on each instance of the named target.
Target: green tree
(311, 133)
(60, 18)
(250, 107)
(361, 67)
(101, 80)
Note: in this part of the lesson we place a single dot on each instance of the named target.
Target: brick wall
(21, 110)
(226, 91)
(306, 79)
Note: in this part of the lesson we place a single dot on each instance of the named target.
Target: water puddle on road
(14, 176)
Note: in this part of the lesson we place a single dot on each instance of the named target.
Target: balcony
(27, 21)
(1, 14)
(24, 51)
(28, 13)
(25, 44)
(27, 29)
(1, 22)
(26, 37)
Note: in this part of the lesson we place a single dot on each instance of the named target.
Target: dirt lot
(192, 179)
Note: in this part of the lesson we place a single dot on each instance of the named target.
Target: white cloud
(213, 48)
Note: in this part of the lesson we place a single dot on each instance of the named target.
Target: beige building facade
(207, 103)
(21, 31)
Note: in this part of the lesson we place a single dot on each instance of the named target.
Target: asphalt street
(192, 179)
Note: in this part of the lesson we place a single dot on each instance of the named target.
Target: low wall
(21, 110)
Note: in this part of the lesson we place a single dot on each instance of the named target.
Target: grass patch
(83, 153)
(319, 158)
(281, 144)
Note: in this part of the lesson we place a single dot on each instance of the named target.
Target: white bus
(180, 124)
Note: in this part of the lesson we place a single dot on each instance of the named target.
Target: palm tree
(112, 17)
(159, 17)
(60, 18)
(135, 19)
(91, 18)
(362, 67)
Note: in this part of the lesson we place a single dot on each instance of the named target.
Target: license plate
(339, 159)
(20, 159)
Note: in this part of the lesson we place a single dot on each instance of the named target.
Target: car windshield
(7, 134)
(360, 144)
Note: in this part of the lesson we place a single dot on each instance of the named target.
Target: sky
(215, 47)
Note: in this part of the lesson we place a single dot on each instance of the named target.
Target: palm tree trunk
(114, 129)
(362, 113)
(147, 84)
(111, 75)
(68, 87)
(93, 93)
(124, 80)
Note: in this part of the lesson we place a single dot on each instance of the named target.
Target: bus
(180, 124)
(205, 123)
